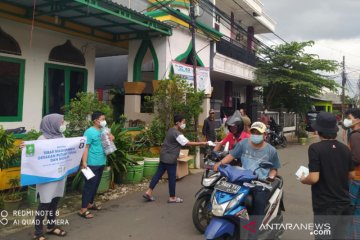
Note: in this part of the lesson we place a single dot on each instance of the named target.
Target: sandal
(177, 200)
(85, 215)
(57, 231)
(95, 207)
(148, 198)
(41, 237)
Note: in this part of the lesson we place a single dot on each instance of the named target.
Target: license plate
(227, 187)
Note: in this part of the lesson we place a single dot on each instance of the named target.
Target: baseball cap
(212, 111)
(258, 126)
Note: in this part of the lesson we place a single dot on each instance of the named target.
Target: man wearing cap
(209, 126)
(330, 168)
(252, 151)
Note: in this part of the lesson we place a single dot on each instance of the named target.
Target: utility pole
(193, 59)
(343, 88)
(193, 36)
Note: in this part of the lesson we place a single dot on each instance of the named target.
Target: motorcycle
(275, 135)
(201, 213)
(232, 199)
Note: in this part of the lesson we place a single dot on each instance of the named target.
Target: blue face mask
(256, 139)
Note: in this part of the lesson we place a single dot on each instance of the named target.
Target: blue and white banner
(202, 75)
(50, 160)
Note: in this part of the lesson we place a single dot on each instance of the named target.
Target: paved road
(132, 218)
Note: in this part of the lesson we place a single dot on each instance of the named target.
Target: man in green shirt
(94, 158)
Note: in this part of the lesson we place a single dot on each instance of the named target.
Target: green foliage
(152, 135)
(290, 76)
(78, 113)
(123, 142)
(302, 133)
(32, 135)
(8, 151)
(220, 133)
(176, 96)
(14, 193)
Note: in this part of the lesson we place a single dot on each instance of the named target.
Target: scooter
(275, 134)
(201, 213)
(232, 199)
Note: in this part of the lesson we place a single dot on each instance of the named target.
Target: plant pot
(31, 197)
(104, 184)
(134, 87)
(191, 163)
(134, 174)
(11, 205)
(303, 141)
(150, 167)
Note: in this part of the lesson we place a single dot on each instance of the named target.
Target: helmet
(235, 120)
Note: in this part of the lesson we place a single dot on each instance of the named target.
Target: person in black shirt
(330, 168)
(209, 126)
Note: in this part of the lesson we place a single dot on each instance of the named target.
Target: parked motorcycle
(232, 199)
(275, 134)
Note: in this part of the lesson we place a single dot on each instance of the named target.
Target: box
(182, 168)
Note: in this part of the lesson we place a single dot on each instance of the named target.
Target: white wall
(35, 58)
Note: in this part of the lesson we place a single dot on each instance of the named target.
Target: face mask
(347, 123)
(103, 123)
(62, 128)
(183, 126)
(256, 139)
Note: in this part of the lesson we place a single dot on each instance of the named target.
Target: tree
(176, 96)
(290, 76)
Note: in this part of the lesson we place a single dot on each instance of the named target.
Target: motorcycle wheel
(283, 142)
(201, 213)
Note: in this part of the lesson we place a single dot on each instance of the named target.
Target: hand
(216, 166)
(111, 137)
(302, 178)
(270, 179)
(83, 165)
(22, 145)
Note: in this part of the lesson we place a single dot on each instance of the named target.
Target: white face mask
(347, 123)
(62, 128)
(183, 126)
(103, 123)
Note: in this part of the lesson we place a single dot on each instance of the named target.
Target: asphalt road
(132, 218)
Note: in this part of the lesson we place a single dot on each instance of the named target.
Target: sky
(334, 25)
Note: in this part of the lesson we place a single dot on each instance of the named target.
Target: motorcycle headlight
(234, 202)
(218, 209)
(207, 181)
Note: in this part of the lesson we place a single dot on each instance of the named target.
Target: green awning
(202, 26)
(99, 15)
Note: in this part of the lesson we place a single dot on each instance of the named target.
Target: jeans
(91, 186)
(50, 209)
(171, 171)
(339, 218)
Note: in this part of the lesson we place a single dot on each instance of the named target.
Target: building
(225, 44)
(54, 49)
(48, 52)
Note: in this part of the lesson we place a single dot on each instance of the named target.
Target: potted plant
(8, 151)
(302, 134)
(13, 199)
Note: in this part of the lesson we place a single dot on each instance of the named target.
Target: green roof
(202, 26)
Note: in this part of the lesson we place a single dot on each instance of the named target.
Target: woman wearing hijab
(52, 126)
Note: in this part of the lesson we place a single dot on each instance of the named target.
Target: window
(61, 84)
(146, 107)
(11, 89)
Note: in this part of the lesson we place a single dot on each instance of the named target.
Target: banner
(202, 75)
(50, 160)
